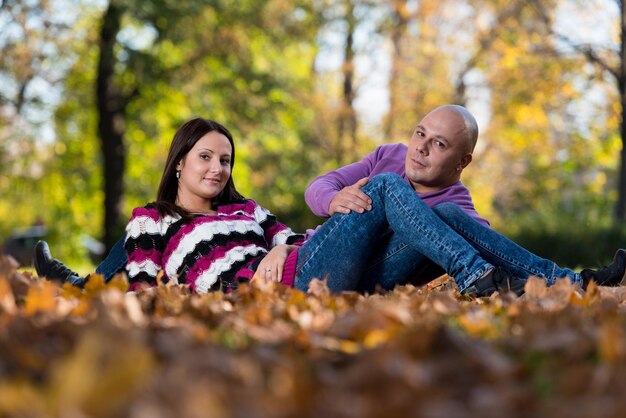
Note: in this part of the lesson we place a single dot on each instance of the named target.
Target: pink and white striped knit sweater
(210, 252)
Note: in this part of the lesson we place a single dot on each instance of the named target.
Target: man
(438, 151)
(440, 148)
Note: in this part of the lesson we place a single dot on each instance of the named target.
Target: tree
(612, 63)
(224, 43)
(34, 41)
(347, 34)
(111, 105)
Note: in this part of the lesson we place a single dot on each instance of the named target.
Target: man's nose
(422, 147)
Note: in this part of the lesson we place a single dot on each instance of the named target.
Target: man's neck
(422, 188)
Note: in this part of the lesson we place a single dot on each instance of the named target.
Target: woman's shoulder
(152, 212)
(238, 205)
(148, 220)
(148, 211)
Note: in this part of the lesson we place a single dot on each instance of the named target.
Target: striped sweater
(210, 252)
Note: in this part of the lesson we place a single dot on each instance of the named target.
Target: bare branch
(586, 50)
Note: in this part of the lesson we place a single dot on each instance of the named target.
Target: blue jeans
(499, 250)
(341, 248)
(115, 261)
(394, 262)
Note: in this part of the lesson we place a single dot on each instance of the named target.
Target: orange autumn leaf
(7, 299)
(119, 281)
(404, 352)
(41, 298)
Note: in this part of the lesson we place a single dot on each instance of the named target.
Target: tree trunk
(620, 212)
(347, 117)
(111, 126)
(398, 33)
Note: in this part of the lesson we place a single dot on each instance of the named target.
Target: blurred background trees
(91, 93)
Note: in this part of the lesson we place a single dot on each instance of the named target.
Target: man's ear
(467, 158)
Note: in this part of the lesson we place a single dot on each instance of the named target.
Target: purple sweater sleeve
(385, 158)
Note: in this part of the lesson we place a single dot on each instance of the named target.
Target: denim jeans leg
(499, 250)
(341, 248)
(394, 263)
(115, 261)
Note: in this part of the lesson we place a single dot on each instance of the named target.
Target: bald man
(439, 150)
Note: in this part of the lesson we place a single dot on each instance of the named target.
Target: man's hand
(351, 198)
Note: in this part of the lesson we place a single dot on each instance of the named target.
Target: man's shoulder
(459, 188)
(388, 158)
(398, 149)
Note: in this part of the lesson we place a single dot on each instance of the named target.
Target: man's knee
(386, 178)
(447, 210)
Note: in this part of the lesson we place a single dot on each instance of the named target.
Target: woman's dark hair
(184, 140)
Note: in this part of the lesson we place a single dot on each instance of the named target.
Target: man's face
(438, 151)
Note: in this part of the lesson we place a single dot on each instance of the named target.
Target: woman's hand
(271, 267)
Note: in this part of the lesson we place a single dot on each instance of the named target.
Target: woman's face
(204, 171)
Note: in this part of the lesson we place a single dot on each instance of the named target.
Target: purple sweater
(385, 159)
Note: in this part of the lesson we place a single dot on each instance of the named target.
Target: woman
(203, 233)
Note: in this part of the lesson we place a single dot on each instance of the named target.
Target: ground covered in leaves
(276, 352)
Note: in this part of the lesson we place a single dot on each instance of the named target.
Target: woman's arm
(271, 267)
(275, 232)
(144, 246)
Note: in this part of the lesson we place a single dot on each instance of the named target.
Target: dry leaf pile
(271, 351)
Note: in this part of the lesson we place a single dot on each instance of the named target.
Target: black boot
(498, 279)
(611, 275)
(53, 269)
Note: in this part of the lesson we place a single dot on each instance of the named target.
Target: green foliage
(575, 246)
(540, 167)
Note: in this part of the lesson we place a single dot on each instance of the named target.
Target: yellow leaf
(7, 300)
(119, 281)
(611, 343)
(377, 337)
(101, 374)
(535, 287)
(21, 399)
(68, 291)
(479, 323)
(95, 284)
(41, 297)
(349, 347)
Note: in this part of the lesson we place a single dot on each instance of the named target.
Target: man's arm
(347, 180)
